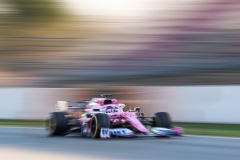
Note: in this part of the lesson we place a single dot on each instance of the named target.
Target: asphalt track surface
(31, 143)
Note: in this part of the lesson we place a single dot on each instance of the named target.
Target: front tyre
(56, 123)
(162, 119)
(99, 120)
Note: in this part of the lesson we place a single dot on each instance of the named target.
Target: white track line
(13, 153)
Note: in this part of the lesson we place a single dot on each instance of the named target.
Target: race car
(104, 118)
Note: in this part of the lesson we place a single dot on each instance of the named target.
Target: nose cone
(139, 126)
(132, 119)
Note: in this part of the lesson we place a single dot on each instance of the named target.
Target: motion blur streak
(104, 45)
(27, 142)
(60, 43)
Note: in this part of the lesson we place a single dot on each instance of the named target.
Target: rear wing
(106, 95)
(64, 105)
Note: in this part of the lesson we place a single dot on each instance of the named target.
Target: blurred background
(178, 56)
(82, 43)
(110, 46)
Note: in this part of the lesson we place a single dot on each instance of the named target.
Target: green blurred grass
(215, 129)
(28, 123)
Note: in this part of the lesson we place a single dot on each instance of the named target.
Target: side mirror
(122, 105)
(137, 109)
(89, 115)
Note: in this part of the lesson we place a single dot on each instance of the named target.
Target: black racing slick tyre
(99, 120)
(56, 124)
(162, 119)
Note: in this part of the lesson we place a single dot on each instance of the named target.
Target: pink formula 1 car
(104, 117)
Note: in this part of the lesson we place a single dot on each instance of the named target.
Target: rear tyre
(99, 120)
(162, 119)
(56, 124)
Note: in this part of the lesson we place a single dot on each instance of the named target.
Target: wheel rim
(51, 125)
(157, 123)
(93, 128)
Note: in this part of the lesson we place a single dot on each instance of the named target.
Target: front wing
(154, 132)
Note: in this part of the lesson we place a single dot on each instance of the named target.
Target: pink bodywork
(130, 118)
(119, 116)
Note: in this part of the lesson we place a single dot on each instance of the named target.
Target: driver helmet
(110, 109)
